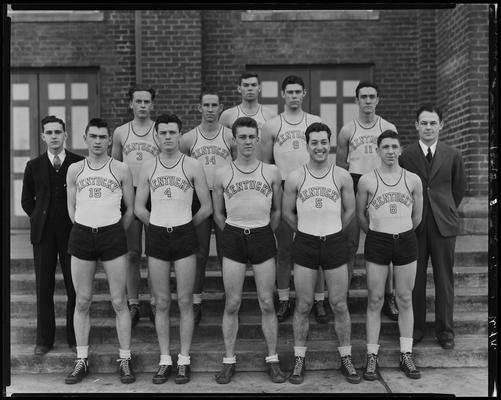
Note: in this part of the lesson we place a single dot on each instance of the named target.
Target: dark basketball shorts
(385, 248)
(356, 178)
(105, 243)
(328, 252)
(148, 204)
(171, 244)
(254, 245)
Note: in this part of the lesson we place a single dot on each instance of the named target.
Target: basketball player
(249, 87)
(249, 192)
(134, 143)
(211, 144)
(95, 187)
(283, 143)
(356, 152)
(389, 208)
(318, 204)
(170, 179)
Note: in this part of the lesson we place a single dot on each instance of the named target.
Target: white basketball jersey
(390, 209)
(290, 150)
(171, 194)
(257, 116)
(137, 149)
(362, 156)
(318, 204)
(212, 153)
(98, 196)
(248, 197)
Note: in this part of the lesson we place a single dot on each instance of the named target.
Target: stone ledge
(308, 15)
(474, 207)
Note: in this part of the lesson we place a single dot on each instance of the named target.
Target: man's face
(367, 100)
(54, 136)
(429, 126)
(389, 150)
(168, 135)
(293, 95)
(246, 139)
(319, 146)
(97, 139)
(210, 107)
(249, 88)
(141, 104)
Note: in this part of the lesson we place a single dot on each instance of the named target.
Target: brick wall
(462, 87)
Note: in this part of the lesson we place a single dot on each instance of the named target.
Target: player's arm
(228, 137)
(276, 204)
(28, 197)
(218, 198)
(227, 117)
(266, 142)
(142, 193)
(127, 194)
(71, 188)
(417, 195)
(186, 142)
(202, 190)
(347, 198)
(342, 148)
(116, 146)
(289, 199)
(362, 198)
(268, 113)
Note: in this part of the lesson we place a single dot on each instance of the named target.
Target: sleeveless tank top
(257, 116)
(290, 150)
(212, 153)
(318, 204)
(362, 156)
(248, 198)
(390, 209)
(98, 196)
(171, 194)
(137, 149)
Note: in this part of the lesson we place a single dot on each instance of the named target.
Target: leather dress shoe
(41, 350)
(446, 343)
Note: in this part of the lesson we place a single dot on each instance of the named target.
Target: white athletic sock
(124, 353)
(372, 348)
(283, 294)
(197, 298)
(134, 301)
(320, 296)
(165, 359)
(300, 351)
(405, 345)
(230, 360)
(82, 351)
(183, 360)
(344, 351)
(273, 358)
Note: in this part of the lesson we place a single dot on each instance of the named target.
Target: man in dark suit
(441, 170)
(44, 200)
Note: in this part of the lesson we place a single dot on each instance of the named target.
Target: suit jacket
(444, 184)
(35, 197)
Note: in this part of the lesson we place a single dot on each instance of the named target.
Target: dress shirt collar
(61, 155)
(424, 147)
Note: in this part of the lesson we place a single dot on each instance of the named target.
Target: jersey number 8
(393, 208)
(318, 202)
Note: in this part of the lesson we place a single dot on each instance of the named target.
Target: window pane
(350, 111)
(329, 117)
(328, 89)
(56, 91)
(349, 88)
(269, 89)
(59, 112)
(79, 91)
(79, 120)
(20, 128)
(19, 164)
(20, 91)
(18, 187)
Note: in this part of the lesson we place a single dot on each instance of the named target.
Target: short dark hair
(247, 75)
(317, 127)
(430, 108)
(387, 134)
(207, 91)
(51, 118)
(292, 79)
(364, 84)
(243, 121)
(167, 118)
(141, 88)
(98, 123)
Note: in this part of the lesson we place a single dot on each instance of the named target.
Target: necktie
(57, 162)
(429, 156)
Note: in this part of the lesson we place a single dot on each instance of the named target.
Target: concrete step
(104, 330)
(464, 277)
(24, 305)
(470, 351)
